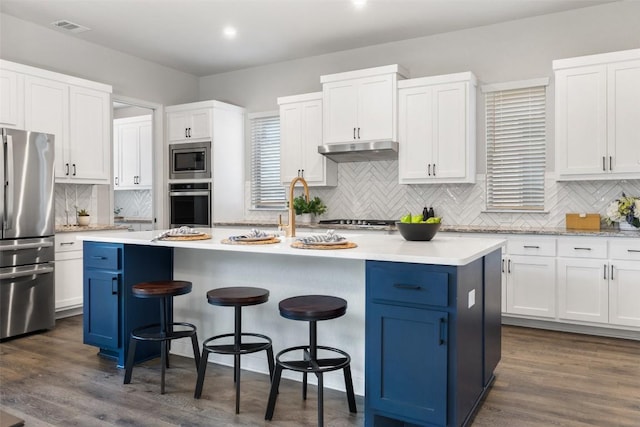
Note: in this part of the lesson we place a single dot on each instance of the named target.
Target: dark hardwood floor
(544, 379)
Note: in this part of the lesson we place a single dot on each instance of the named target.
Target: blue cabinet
(111, 312)
(425, 341)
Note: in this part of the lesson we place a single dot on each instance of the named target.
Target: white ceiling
(187, 34)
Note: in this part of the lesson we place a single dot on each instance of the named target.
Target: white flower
(612, 212)
(636, 209)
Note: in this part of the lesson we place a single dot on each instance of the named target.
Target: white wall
(510, 51)
(30, 44)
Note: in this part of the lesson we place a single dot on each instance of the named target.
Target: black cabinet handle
(509, 267)
(67, 243)
(531, 247)
(354, 133)
(66, 169)
(358, 133)
(98, 257)
(502, 266)
(117, 181)
(611, 275)
(604, 272)
(74, 169)
(302, 171)
(434, 169)
(443, 331)
(114, 286)
(582, 249)
(610, 163)
(429, 169)
(633, 250)
(407, 287)
(604, 163)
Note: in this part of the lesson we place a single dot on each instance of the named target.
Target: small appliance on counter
(27, 289)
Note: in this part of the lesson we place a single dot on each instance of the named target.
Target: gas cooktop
(365, 223)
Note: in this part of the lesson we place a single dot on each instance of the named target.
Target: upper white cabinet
(11, 99)
(361, 105)
(436, 129)
(190, 125)
(597, 106)
(77, 112)
(132, 153)
(300, 136)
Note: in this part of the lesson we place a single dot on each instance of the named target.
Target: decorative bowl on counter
(418, 231)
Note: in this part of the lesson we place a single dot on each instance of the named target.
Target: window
(516, 140)
(267, 191)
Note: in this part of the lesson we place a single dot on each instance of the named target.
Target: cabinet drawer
(582, 248)
(411, 285)
(542, 247)
(627, 249)
(66, 242)
(102, 256)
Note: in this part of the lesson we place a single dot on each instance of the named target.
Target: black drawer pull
(531, 247)
(582, 249)
(408, 287)
(633, 250)
(67, 243)
(98, 257)
(442, 331)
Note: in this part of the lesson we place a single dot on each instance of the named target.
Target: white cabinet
(190, 125)
(583, 285)
(11, 99)
(300, 136)
(79, 117)
(68, 271)
(361, 105)
(528, 274)
(132, 153)
(436, 129)
(597, 105)
(624, 286)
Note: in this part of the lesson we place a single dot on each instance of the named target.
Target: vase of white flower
(625, 211)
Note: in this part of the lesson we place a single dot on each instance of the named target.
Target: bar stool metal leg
(129, 363)
(273, 394)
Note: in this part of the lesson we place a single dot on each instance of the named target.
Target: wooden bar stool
(236, 297)
(165, 331)
(312, 308)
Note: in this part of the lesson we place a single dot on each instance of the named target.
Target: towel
(328, 237)
(182, 231)
(253, 234)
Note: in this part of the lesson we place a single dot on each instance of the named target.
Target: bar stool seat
(236, 297)
(312, 308)
(165, 331)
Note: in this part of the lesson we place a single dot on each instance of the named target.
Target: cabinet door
(340, 111)
(376, 114)
(623, 116)
(290, 141)
(313, 163)
(145, 155)
(450, 153)
(624, 293)
(581, 121)
(200, 124)
(11, 99)
(415, 133)
(178, 124)
(583, 289)
(68, 274)
(47, 110)
(90, 135)
(406, 366)
(128, 140)
(531, 285)
(100, 317)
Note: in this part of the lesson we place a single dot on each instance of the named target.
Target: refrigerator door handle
(8, 190)
(23, 246)
(2, 185)
(31, 272)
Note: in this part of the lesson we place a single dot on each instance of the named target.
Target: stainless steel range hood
(360, 151)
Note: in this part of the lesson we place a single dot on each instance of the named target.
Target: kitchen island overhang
(346, 273)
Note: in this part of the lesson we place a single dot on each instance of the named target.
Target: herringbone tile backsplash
(371, 190)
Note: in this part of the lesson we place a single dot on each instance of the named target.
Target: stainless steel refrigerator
(27, 288)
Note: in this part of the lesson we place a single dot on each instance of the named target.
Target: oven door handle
(188, 193)
(31, 272)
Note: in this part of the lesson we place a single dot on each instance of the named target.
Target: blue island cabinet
(432, 341)
(110, 310)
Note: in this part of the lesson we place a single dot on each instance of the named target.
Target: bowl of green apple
(416, 228)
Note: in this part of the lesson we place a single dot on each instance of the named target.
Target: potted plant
(308, 210)
(625, 211)
(83, 217)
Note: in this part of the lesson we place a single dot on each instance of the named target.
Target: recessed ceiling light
(229, 32)
(359, 4)
(70, 26)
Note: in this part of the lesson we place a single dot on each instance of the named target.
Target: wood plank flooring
(545, 378)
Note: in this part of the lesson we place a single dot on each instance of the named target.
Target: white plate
(252, 239)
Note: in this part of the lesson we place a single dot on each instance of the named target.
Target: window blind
(516, 141)
(266, 190)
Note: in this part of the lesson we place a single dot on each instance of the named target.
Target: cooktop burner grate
(360, 222)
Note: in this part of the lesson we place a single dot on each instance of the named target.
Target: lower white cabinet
(624, 282)
(68, 271)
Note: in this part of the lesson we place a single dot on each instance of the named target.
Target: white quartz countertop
(442, 249)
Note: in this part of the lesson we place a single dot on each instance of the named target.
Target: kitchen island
(425, 316)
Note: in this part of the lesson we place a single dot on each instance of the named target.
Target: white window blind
(516, 140)
(266, 190)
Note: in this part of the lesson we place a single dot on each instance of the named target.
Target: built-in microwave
(190, 160)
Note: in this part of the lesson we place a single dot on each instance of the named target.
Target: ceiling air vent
(70, 26)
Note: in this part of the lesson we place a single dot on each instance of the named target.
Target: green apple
(406, 218)
(434, 220)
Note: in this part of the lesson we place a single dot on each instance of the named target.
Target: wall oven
(190, 160)
(190, 204)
